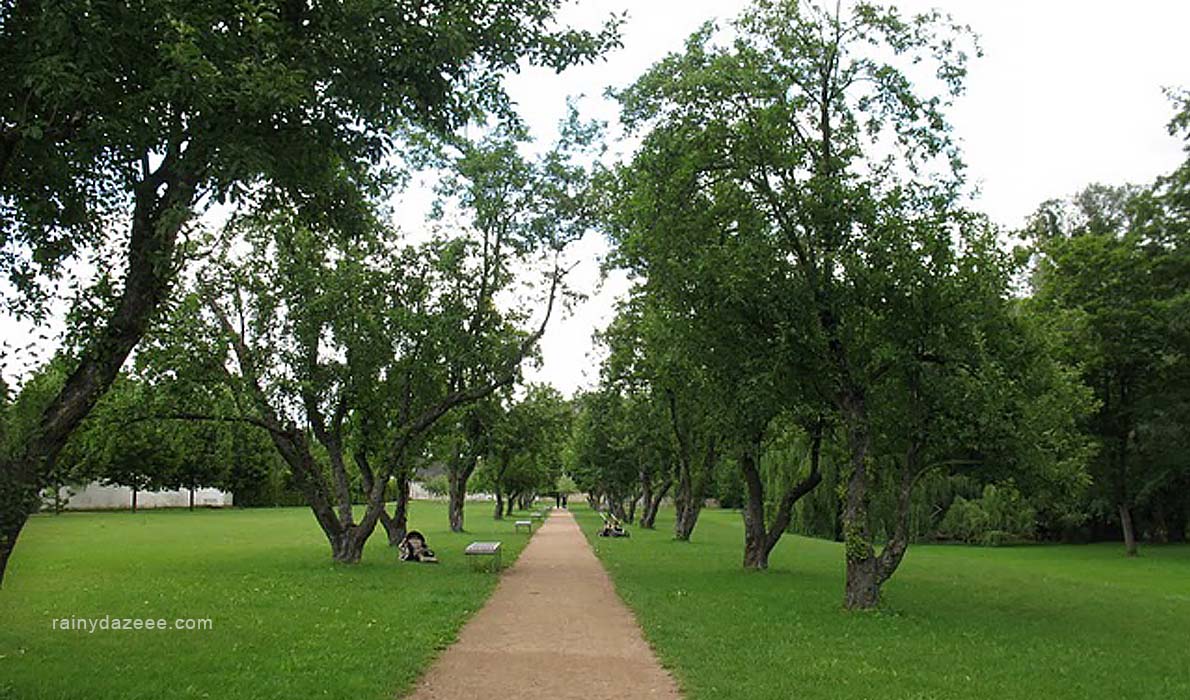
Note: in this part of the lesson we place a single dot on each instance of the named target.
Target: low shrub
(998, 517)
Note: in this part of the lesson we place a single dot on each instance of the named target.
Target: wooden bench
(527, 524)
(478, 550)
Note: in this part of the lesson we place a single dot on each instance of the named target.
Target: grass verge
(957, 622)
(287, 622)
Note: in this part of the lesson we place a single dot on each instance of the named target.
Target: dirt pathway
(553, 629)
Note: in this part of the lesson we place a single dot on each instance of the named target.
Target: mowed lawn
(287, 622)
(958, 622)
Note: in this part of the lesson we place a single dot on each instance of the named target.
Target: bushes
(998, 517)
(728, 488)
(438, 486)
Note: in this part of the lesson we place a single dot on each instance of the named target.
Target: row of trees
(818, 324)
(815, 306)
(1112, 279)
(120, 126)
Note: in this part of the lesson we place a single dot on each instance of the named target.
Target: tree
(134, 118)
(327, 332)
(781, 173)
(513, 205)
(1116, 287)
(629, 368)
(596, 456)
(525, 446)
(370, 342)
(972, 388)
(652, 361)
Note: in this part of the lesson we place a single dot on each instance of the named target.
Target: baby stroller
(612, 526)
(413, 548)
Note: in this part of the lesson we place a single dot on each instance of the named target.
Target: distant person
(563, 500)
(413, 548)
(557, 500)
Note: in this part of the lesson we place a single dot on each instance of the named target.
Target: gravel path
(553, 629)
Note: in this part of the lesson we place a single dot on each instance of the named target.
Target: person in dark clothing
(563, 500)
(557, 500)
(413, 548)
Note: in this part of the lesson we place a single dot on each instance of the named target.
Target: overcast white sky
(1068, 93)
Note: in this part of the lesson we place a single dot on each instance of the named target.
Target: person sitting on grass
(413, 548)
(612, 526)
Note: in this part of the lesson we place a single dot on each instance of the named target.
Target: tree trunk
(689, 497)
(396, 526)
(458, 498)
(646, 494)
(134, 493)
(348, 547)
(760, 536)
(756, 553)
(499, 505)
(687, 518)
(648, 519)
(510, 505)
(632, 511)
(756, 549)
(616, 507)
(460, 468)
(862, 588)
(8, 542)
(1129, 533)
(161, 203)
(894, 549)
(191, 499)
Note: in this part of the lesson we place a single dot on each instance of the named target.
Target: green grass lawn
(287, 622)
(958, 622)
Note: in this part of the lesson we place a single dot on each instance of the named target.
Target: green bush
(438, 486)
(999, 517)
(728, 487)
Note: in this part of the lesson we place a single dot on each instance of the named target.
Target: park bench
(478, 551)
(527, 524)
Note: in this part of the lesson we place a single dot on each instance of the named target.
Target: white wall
(418, 492)
(95, 496)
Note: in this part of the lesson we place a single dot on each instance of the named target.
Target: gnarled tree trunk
(648, 519)
(760, 536)
(690, 496)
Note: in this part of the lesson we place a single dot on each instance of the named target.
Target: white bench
(478, 550)
(527, 524)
